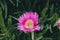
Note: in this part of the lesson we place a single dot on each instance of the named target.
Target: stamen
(29, 24)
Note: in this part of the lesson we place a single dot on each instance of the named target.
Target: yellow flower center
(29, 24)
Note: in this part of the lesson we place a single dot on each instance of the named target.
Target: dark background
(12, 9)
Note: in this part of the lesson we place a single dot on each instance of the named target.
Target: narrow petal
(37, 27)
(28, 16)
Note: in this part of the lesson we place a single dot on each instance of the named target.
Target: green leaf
(46, 38)
(39, 36)
(17, 2)
(9, 21)
(51, 10)
(18, 12)
(2, 25)
(43, 13)
(50, 29)
(13, 17)
(5, 9)
(12, 2)
(13, 37)
(43, 19)
(1, 36)
(45, 29)
(53, 17)
(2, 5)
(49, 19)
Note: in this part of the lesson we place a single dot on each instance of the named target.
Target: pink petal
(28, 16)
(37, 27)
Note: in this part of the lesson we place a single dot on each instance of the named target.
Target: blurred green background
(49, 13)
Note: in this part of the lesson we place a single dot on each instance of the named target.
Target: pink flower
(58, 22)
(28, 22)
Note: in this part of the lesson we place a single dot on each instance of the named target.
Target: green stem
(32, 35)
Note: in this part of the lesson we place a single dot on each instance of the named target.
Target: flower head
(58, 23)
(28, 22)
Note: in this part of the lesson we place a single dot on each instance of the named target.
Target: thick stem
(32, 35)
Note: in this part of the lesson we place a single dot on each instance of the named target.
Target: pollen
(29, 24)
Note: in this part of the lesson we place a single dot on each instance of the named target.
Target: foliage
(48, 11)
